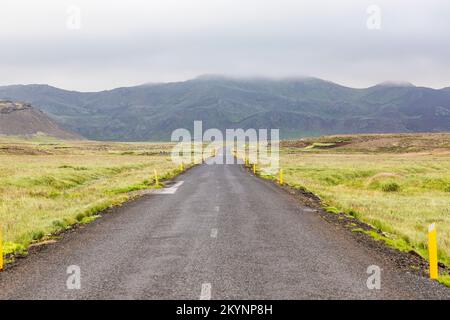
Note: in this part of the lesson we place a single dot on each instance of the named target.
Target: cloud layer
(122, 43)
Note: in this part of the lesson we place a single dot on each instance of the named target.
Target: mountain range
(297, 106)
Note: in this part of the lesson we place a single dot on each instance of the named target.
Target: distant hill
(22, 119)
(379, 143)
(298, 107)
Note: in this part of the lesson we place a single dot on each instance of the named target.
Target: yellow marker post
(281, 177)
(156, 178)
(254, 168)
(1, 250)
(181, 166)
(432, 251)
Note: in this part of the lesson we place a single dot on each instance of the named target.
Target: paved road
(223, 234)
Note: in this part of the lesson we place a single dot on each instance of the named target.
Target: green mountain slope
(302, 106)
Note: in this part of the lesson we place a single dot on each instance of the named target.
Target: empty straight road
(221, 234)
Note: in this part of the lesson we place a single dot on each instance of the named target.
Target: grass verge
(47, 185)
(398, 184)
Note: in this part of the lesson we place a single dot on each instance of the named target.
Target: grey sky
(128, 42)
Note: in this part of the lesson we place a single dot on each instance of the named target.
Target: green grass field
(398, 183)
(48, 185)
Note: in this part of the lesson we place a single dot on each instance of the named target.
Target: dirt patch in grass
(16, 150)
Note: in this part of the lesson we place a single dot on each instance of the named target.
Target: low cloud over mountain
(297, 106)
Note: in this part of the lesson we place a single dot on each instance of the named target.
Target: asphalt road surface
(221, 234)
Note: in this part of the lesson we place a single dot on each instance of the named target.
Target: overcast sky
(129, 42)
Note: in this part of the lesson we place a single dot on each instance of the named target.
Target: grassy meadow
(47, 185)
(398, 183)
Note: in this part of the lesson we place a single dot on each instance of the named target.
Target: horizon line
(397, 83)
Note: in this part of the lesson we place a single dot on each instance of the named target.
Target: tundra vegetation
(48, 185)
(397, 183)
